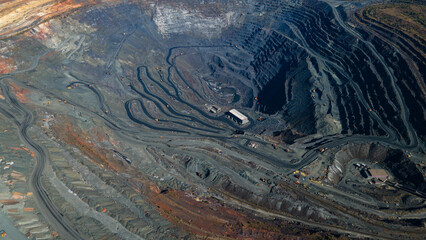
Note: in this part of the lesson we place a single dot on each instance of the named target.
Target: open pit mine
(213, 119)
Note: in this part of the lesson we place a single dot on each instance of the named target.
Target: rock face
(288, 136)
(400, 166)
(306, 47)
(364, 152)
(327, 125)
(17, 16)
(405, 170)
(175, 20)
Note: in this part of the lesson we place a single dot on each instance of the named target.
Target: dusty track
(48, 209)
(17, 16)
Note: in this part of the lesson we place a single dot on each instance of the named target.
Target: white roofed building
(237, 116)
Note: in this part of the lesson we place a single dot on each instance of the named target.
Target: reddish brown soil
(206, 218)
(19, 15)
(19, 92)
(6, 65)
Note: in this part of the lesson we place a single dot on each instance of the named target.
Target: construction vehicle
(323, 149)
(2, 233)
(253, 145)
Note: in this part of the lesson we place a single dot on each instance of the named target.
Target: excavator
(323, 149)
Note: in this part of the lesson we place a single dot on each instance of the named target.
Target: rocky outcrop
(17, 16)
(404, 170)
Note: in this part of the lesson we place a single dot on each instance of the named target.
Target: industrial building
(378, 173)
(237, 116)
(214, 109)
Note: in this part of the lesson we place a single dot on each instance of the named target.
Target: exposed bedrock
(309, 67)
(405, 170)
(245, 184)
(366, 152)
(394, 160)
(282, 200)
(298, 59)
(148, 72)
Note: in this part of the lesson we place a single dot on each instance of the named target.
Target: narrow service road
(45, 204)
